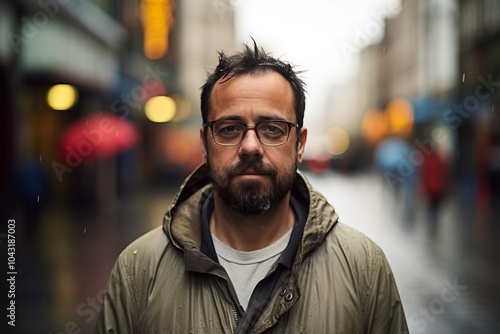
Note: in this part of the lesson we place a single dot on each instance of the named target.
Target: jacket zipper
(235, 311)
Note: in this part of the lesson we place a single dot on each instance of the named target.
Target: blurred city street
(100, 123)
(448, 276)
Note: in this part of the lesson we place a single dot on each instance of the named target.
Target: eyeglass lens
(232, 132)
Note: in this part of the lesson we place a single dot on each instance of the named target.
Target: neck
(247, 233)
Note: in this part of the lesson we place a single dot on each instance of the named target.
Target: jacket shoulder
(356, 243)
(364, 258)
(147, 248)
(139, 261)
(126, 296)
(368, 266)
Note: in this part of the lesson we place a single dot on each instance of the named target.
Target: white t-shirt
(247, 269)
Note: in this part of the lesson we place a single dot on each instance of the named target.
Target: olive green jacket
(340, 281)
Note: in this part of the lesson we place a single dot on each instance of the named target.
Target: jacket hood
(182, 220)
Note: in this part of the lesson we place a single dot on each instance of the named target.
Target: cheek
(217, 158)
(285, 160)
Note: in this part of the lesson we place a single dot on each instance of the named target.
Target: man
(248, 246)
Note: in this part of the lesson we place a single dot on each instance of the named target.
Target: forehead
(253, 96)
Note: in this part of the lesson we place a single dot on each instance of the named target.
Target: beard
(252, 197)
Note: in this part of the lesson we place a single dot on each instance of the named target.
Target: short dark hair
(251, 61)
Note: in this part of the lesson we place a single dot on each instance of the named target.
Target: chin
(248, 187)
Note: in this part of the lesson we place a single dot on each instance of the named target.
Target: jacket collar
(182, 220)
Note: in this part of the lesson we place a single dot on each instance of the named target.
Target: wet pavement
(448, 274)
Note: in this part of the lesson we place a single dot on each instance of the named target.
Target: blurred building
(369, 77)
(205, 27)
(476, 115)
(417, 56)
(201, 29)
(417, 61)
(420, 50)
(197, 30)
(442, 57)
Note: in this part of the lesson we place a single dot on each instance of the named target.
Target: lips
(251, 172)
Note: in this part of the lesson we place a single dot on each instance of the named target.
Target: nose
(251, 146)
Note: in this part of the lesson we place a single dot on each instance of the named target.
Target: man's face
(251, 177)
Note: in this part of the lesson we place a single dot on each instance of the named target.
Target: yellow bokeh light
(62, 97)
(160, 109)
(157, 18)
(375, 125)
(400, 115)
(337, 141)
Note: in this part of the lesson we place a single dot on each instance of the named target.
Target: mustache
(256, 165)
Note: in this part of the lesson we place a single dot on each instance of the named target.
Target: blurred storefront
(52, 42)
(112, 57)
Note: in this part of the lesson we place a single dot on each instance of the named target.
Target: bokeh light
(160, 109)
(375, 126)
(62, 97)
(400, 115)
(157, 20)
(337, 141)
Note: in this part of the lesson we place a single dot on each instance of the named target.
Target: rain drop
(85, 231)
(463, 77)
(135, 251)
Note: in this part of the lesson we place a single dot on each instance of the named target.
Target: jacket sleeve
(384, 309)
(119, 308)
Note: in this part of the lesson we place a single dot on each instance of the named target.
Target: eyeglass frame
(290, 126)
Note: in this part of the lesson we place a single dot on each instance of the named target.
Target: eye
(273, 129)
(227, 129)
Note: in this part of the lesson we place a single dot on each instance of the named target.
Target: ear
(301, 144)
(203, 143)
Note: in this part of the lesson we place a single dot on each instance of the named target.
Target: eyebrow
(259, 119)
(231, 118)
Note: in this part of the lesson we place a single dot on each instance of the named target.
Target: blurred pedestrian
(392, 158)
(248, 245)
(434, 180)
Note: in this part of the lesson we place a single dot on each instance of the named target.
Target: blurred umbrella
(390, 153)
(98, 136)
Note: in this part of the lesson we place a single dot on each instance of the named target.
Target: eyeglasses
(230, 132)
